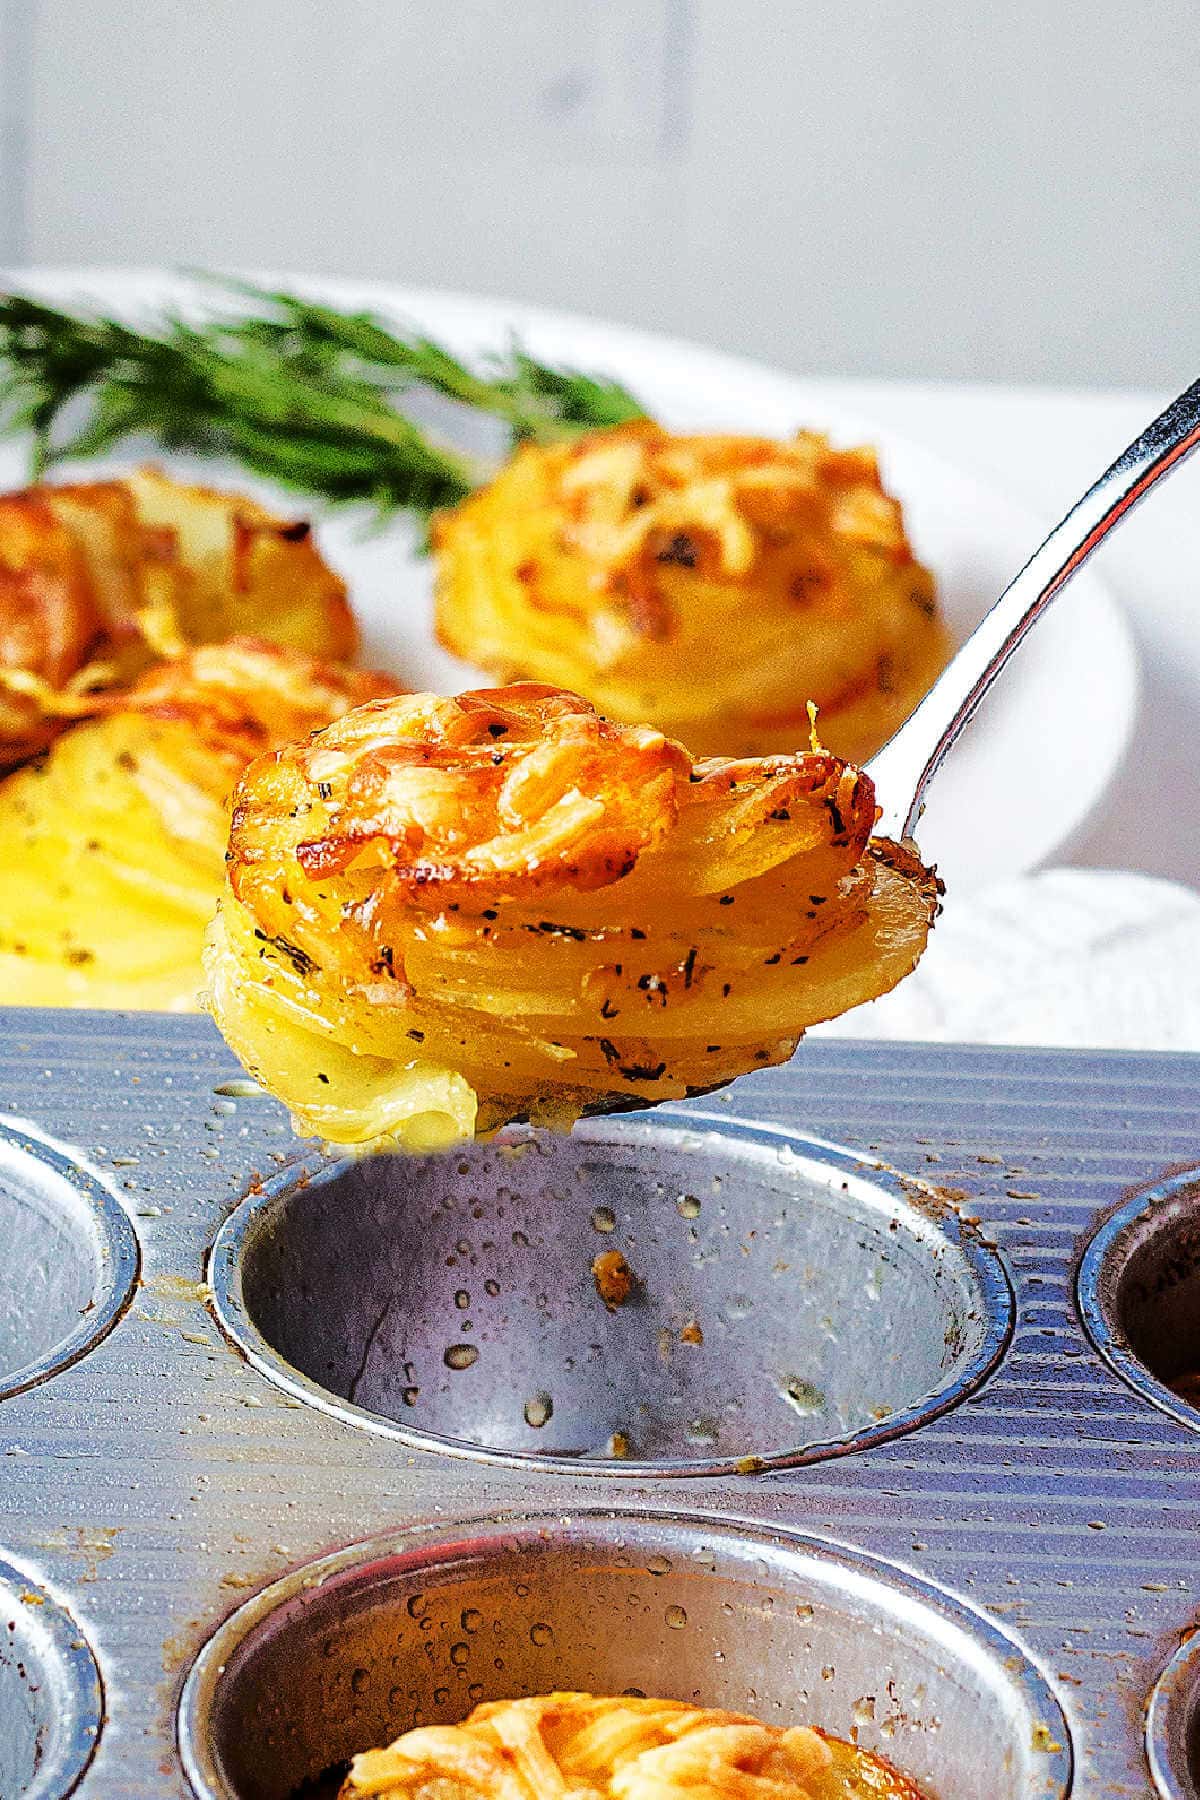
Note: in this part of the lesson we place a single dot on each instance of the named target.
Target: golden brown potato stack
(115, 840)
(100, 579)
(565, 1746)
(447, 913)
(709, 585)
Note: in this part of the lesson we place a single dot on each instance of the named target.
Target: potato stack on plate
(709, 585)
(134, 704)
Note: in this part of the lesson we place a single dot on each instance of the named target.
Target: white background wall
(1006, 189)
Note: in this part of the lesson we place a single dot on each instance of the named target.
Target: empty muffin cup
(1173, 1725)
(50, 1694)
(1139, 1295)
(682, 1294)
(419, 1627)
(69, 1265)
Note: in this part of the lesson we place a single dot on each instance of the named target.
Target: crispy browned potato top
(502, 790)
(99, 579)
(505, 793)
(640, 501)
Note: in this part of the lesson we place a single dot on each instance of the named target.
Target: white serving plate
(1041, 751)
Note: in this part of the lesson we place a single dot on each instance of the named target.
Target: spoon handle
(907, 763)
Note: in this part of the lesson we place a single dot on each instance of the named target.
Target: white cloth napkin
(1091, 958)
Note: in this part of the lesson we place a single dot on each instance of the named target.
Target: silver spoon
(908, 762)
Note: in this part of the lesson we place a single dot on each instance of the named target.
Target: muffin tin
(877, 1430)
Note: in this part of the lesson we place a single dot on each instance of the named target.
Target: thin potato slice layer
(567, 1746)
(115, 841)
(444, 914)
(709, 585)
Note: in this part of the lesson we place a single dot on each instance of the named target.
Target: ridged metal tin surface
(160, 1480)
